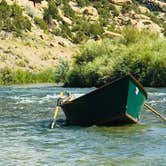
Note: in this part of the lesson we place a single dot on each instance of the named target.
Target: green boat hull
(116, 103)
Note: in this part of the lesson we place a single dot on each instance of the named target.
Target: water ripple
(26, 139)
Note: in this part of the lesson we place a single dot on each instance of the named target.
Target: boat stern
(135, 100)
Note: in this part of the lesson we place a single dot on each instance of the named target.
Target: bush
(82, 3)
(51, 12)
(68, 11)
(6, 76)
(41, 23)
(142, 55)
(79, 37)
(12, 18)
(9, 76)
(132, 35)
(103, 8)
(88, 29)
(113, 9)
(61, 70)
(164, 31)
(65, 31)
(128, 7)
(5, 10)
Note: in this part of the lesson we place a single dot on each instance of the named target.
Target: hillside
(36, 34)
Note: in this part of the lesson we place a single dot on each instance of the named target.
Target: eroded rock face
(91, 13)
(120, 2)
(154, 5)
(112, 34)
(143, 10)
(30, 9)
(140, 19)
(147, 24)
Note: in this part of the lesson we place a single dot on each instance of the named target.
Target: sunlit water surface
(26, 139)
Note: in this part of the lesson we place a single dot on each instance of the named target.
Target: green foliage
(141, 53)
(127, 7)
(103, 8)
(65, 31)
(91, 30)
(132, 35)
(79, 37)
(6, 76)
(9, 76)
(5, 10)
(113, 9)
(82, 3)
(41, 23)
(12, 19)
(51, 12)
(164, 29)
(61, 69)
(68, 11)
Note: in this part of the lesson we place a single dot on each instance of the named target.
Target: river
(26, 139)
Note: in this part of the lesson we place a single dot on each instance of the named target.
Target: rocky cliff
(57, 26)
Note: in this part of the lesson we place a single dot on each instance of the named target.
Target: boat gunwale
(131, 118)
(106, 85)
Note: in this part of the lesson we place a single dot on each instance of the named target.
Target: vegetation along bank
(82, 42)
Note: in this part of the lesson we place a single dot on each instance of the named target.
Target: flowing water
(26, 139)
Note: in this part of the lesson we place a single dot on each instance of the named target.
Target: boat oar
(154, 111)
(57, 108)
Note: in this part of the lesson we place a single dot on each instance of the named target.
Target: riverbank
(39, 42)
(140, 53)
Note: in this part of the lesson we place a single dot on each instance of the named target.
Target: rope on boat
(154, 111)
(57, 108)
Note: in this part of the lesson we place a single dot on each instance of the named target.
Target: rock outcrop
(154, 5)
(120, 2)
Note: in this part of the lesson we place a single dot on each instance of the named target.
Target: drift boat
(117, 103)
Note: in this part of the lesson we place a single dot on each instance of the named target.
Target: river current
(26, 139)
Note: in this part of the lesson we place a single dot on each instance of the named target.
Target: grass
(9, 76)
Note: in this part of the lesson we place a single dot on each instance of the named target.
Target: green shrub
(65, 31)
(74, 77)
(56, 31)
(164, 29)
(9, 76)
(41, 23)
(127, 7)
(91, 30)
(61, 70)
(79, 37)
(68, 11)
(103, 8)
(5, 10)
(51, 12)
(132, 35)
(114, 10)
(142, 55)
(6, 76)
(82, 3)
(12, 18)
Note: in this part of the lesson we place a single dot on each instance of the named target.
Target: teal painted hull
(116, 103)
